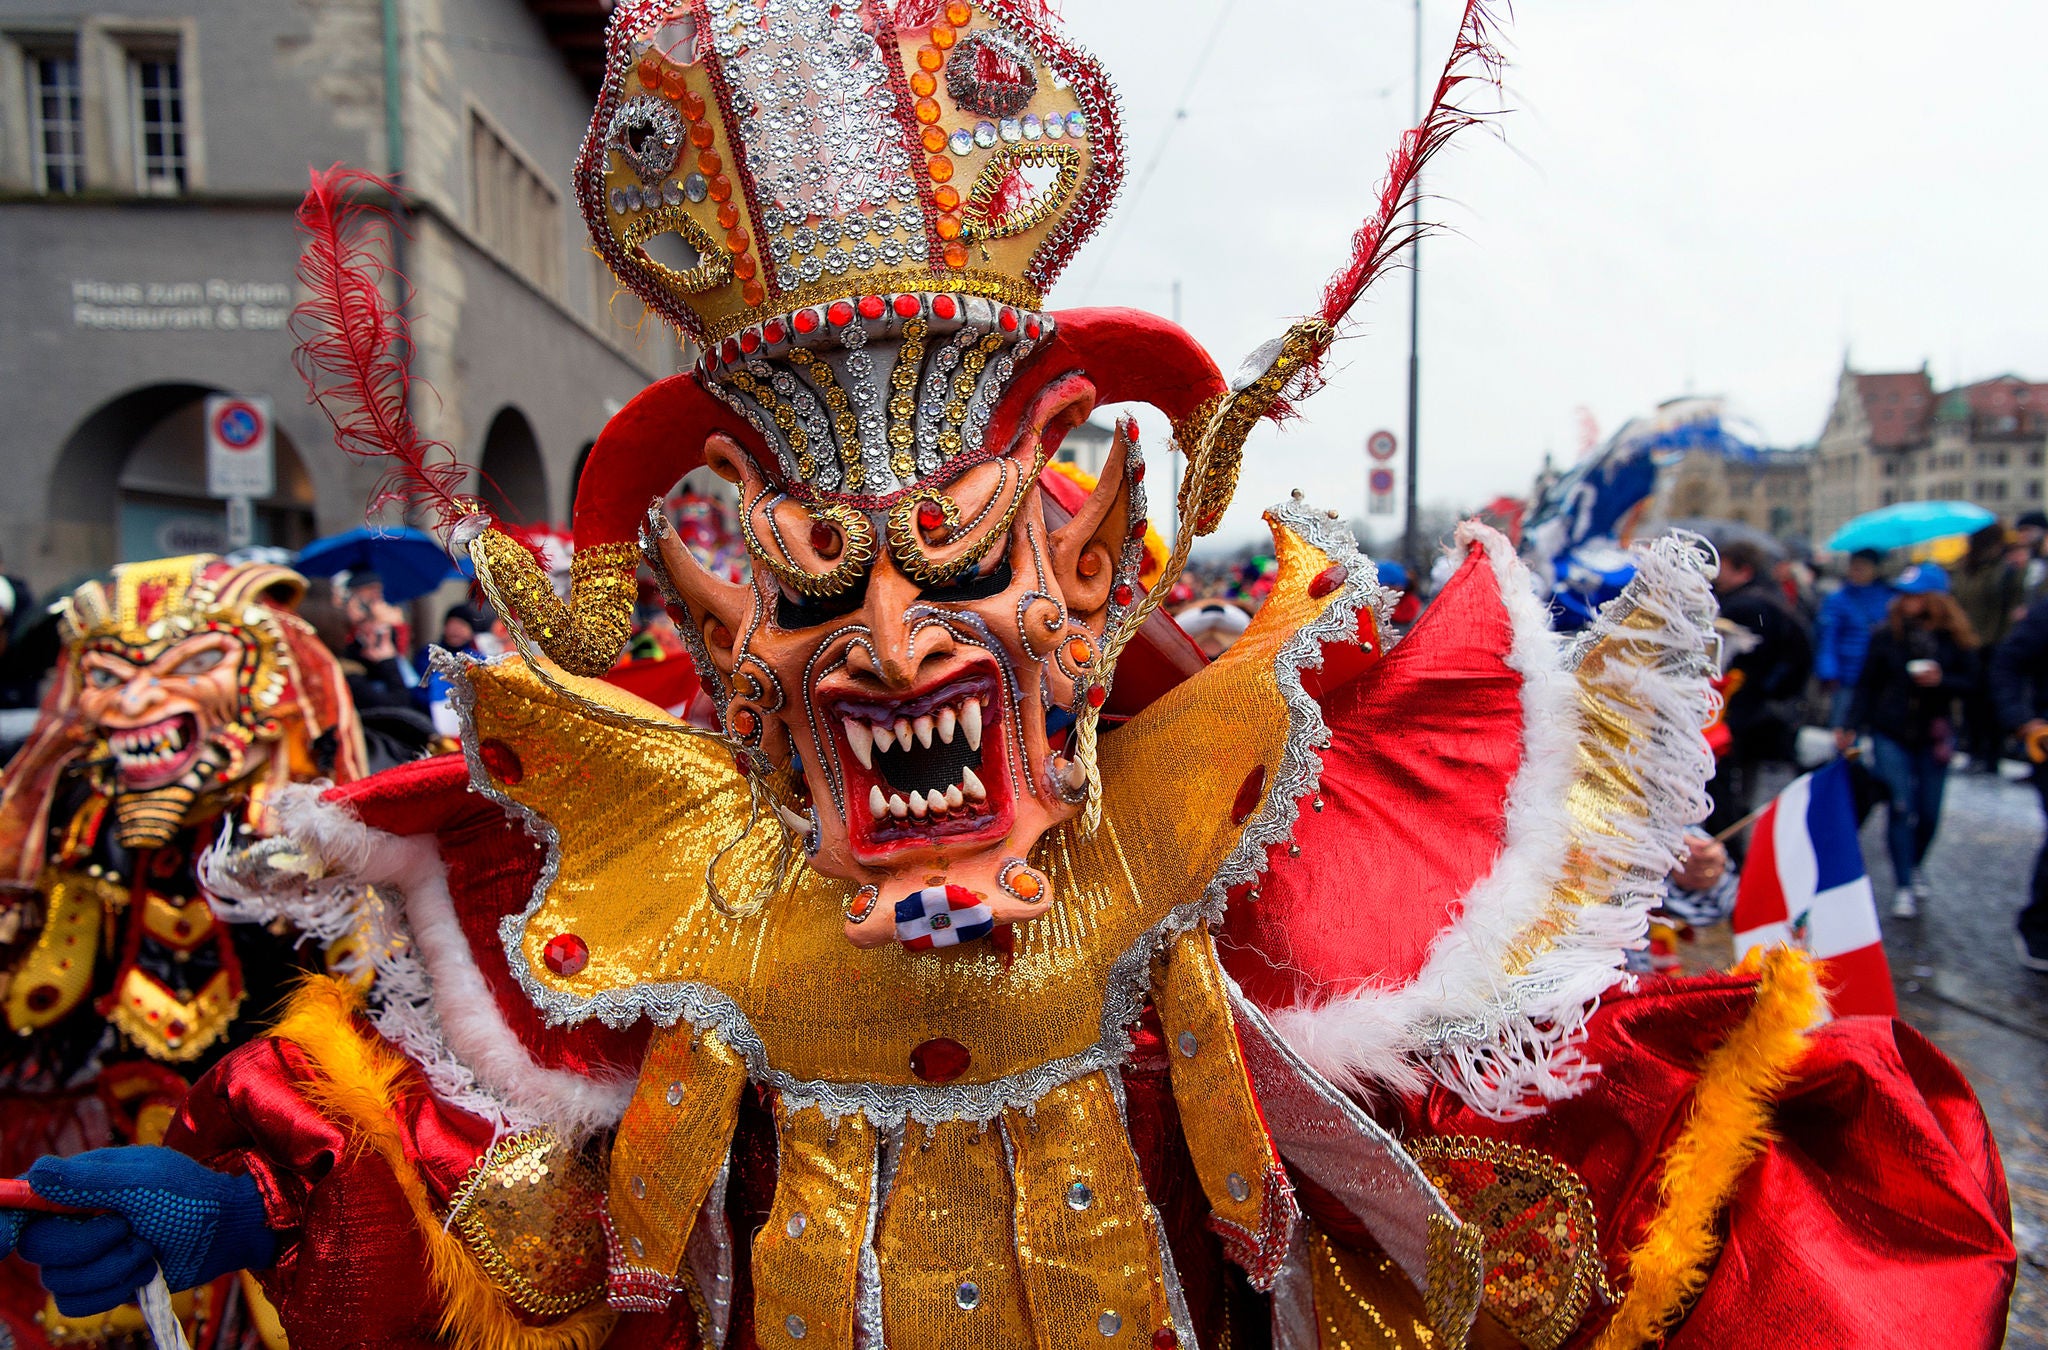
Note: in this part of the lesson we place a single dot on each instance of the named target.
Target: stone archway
(130, 484)
(512, 479)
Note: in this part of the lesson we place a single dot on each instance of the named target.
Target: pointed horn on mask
(641, 454)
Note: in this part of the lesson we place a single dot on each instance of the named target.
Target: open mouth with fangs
(154, 754)
(927, 769)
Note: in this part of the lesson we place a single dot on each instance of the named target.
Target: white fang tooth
(798, 825)
(903, 733)
(923, 726)
(863, 742)
(970, 781)
(885, 739)
(935, 801)
(878, 805)
(898, 807)
(948, 721)
(917, 806)
(1071, 772)
(955, 799)
(970, 722)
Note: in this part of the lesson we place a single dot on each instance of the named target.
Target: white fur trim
(428, 996)
(1505, 1042)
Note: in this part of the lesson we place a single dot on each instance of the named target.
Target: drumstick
(153, 1298)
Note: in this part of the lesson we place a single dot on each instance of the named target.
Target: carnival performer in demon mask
(998, 973)
(188, 694)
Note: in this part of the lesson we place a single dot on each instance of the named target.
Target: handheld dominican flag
(1804, 886)
(942, 916)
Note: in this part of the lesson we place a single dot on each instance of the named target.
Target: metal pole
(1411, 543)
(1174, 538)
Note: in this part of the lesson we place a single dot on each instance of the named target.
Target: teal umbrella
(1909, 523)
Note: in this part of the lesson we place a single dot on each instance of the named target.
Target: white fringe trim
(1509, 1043)
(428, 996)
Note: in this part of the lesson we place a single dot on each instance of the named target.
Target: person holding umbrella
(1921, 660)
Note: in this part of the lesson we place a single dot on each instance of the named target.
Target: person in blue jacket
(1846, 618)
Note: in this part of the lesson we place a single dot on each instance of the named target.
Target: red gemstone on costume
(731, 351)
(1097, 696)
(841, 314)
(872, 307)
(773, 332)
(940, 1060)
(750, 342)
(1137, 474)
(1124, 594)
(1138, 530)
(824, 540)
(566, 954)
(744, 762)
(501, 761)
(1008, 319)
(806, 320)
(908, 305)
(43, 997)
(930, 518)
(1328, 581)
(1164, 1339)
(945, 307)
(175, 1028)
(1031, 329)
(745, 722)
(1248, 796)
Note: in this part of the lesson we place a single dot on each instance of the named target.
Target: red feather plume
(1474, 58)
(354, 351)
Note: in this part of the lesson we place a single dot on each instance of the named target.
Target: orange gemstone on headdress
(942, 169)
(943, 36)
(1089, 564)
(650, 73)
(930, 58)
(1080, 653)
(753, 294)
(717, 634)
(700, 135)
(934, 139)
(956, 256)
(924, 84)
(692, 106)
(737, 241)
(744, 267)
(1024, 883)
(709, 163)
(959, 13)
(728, 216)
(948, 227)
(928, 110)
(720, 189)
(946, 198)
(745, 722)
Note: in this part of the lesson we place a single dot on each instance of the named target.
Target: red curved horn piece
(643, 450)
(1132, 357)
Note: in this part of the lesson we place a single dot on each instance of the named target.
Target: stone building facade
(1772, 492)
(152, 153)
(1892, 437)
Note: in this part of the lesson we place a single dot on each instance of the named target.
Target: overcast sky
(1709, 198)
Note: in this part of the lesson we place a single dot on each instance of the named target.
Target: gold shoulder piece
(529, 1212)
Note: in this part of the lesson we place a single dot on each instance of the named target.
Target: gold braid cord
(1213, 438)
(583, 636)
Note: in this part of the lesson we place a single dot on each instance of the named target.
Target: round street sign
(238, 424)
(1381, 445)
(1382, 480)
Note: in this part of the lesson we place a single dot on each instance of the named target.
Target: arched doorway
(576, 476)
(130, 484)
(513, 481)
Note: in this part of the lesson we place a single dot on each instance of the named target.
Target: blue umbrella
(1909, 523)
(409, 562)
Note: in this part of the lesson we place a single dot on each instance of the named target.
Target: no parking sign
(240, 458)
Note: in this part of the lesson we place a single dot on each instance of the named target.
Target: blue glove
(11, 1223)
(166, 1210)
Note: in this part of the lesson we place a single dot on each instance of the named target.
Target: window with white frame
(56, 121)
(157, 102)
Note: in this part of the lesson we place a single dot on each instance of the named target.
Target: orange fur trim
(357, 1088)
(1730, 1125)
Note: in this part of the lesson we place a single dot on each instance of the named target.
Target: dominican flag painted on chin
(1803, 885)
(942, 916)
